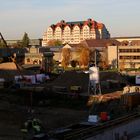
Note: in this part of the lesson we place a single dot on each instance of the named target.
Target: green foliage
(55, 43)
(25, 40)
(132, 69)
(71, 68)
(109, 70)
(58, 43)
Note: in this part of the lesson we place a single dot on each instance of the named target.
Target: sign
(137, 79)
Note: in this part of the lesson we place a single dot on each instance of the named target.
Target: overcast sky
(121, 17)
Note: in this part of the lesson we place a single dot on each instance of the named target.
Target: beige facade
(112, 54)
(120, 39)
(75, 32)
(129, 56)
(35, 54)
(126, 56)
(33, 57)
(33, 42)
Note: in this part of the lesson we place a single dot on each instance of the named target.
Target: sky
(121, 17)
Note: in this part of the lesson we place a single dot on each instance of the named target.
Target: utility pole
(95, 58)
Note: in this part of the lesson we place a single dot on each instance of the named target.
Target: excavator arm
(13, 59)
(3, 40)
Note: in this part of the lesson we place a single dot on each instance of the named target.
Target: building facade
(33, 56)
(129, 56)
(75, 32)
(32, 42)
(127, 39)
(112, 56)
(125, 56)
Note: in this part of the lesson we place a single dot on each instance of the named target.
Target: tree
(25, 40)
(66, 56)
(54, 43)
(103, 60)
(114, 63)
(132, 64)
(104, 65)
(50, 43)
(58, 43)
(84, 56)
(122, 65)
(73, 63)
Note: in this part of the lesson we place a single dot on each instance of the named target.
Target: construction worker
(36, 125)
(38, 130)
(27, 126)
(27, 130)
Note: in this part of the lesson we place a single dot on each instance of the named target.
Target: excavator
(12, 58)
(33, 123)
(3, 40)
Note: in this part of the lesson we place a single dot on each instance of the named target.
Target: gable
(67, 46)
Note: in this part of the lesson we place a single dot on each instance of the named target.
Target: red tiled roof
(77, 25)
(74, 45)
(68, 26)
(86, 23)
(135, 42)
(91, 22)
(100, 42)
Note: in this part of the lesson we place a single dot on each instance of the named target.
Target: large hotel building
(75, 32)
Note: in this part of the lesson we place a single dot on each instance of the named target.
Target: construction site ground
(54, 113)
(13, 114)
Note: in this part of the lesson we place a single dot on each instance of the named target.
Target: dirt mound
(8, 66)
(8, 71)
(74, 78)
(104, 76)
